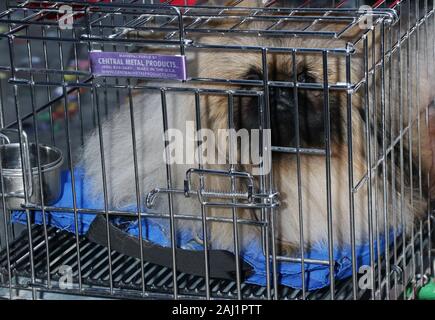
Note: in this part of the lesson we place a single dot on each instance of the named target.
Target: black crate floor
(126, 272)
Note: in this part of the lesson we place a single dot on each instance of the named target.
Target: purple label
(123, 64)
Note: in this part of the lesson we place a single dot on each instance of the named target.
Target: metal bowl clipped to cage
(216, 149)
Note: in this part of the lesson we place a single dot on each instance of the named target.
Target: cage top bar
(200, 20)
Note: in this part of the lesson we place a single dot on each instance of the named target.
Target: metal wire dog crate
(50, 96)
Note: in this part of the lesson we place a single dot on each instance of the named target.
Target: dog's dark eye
(254, 74)
(302, 77)
(305, 77)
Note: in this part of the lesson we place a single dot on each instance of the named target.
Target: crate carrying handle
(222, 263)
(27, 170)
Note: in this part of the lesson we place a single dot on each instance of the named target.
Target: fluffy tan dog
(308, 202)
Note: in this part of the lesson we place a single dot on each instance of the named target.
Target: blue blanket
(316, 276)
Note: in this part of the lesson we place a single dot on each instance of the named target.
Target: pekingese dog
(306, 190)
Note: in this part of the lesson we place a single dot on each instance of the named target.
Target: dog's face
(289, 108)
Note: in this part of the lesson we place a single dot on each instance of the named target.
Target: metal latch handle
(239, 198)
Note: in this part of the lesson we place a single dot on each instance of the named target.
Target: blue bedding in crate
(317, 276)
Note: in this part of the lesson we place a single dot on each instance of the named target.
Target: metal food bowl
(51, 160)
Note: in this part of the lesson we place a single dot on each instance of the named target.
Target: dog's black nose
(291, 113)
(282, 116)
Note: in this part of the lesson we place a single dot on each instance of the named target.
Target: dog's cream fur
(146, 106)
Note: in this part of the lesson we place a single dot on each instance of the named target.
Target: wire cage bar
(356, 73)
